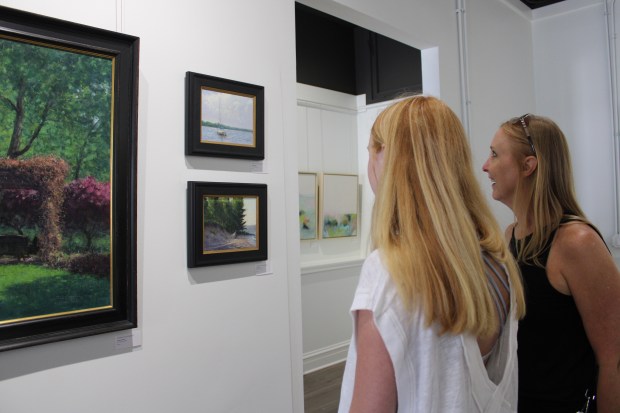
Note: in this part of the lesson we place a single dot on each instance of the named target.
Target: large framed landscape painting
(227, 223)
(224, 118)
(68, 131)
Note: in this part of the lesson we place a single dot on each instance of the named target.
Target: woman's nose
(485, 167)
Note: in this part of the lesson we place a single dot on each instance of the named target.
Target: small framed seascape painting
(340, 205)
(227, 223)
(224, 118)
(308, 205)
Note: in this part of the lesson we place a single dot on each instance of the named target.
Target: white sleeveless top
(434, 374)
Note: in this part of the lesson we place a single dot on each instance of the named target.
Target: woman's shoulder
(373, 269)
(576, 232)
(375, 290)
(372, 263)
(375, 280)
(573, 238)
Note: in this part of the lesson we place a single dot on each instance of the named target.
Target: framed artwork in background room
(339, 205)
(226, 223)
(68, 143)
(308, 205)
(224, 118)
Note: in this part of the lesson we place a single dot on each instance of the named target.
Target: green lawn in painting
(28, 290)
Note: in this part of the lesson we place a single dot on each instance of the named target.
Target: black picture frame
(224, 118)
(216, 234)
(120, 54)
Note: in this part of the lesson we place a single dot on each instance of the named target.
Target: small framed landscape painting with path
(227, 223)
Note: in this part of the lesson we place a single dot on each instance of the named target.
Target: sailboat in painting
(221, 132)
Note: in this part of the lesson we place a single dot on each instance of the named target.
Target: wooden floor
(322, 389)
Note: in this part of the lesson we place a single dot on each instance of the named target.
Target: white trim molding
(326, 356)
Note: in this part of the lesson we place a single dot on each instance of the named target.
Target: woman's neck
(523, 224)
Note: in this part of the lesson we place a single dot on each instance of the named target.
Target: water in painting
(212, 134)
(227, 118)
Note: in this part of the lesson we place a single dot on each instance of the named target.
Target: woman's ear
(379, 160)
(380, 153)
(530, 164)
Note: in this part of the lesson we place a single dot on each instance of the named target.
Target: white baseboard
(325, 357)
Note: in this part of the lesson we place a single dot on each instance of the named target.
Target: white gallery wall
(573, 88)
(226, 339)
(211, 339)
(327, 137)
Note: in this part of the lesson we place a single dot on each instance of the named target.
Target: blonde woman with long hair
(569, 341)
(435, 312)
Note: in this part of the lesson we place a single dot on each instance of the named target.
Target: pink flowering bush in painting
(19, 208)
(87, 208)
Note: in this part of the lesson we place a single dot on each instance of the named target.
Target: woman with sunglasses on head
(569, 339)
(436, 308)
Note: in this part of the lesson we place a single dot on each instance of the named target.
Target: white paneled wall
(333, 130)
(327, 133)
(326, 296)
(327, 136)
(339, 150)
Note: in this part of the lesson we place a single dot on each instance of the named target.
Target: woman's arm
(375, 384)
(593, 280)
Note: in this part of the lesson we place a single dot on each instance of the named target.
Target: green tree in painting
(228, 213)
(238, 212)
(56, 101)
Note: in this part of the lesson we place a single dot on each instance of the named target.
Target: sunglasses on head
(524, 121)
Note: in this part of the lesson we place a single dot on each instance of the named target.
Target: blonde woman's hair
(431, 221)
(548, 194)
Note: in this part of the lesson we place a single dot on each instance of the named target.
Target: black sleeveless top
(556, 362)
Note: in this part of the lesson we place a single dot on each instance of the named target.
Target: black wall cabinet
(337, 55)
